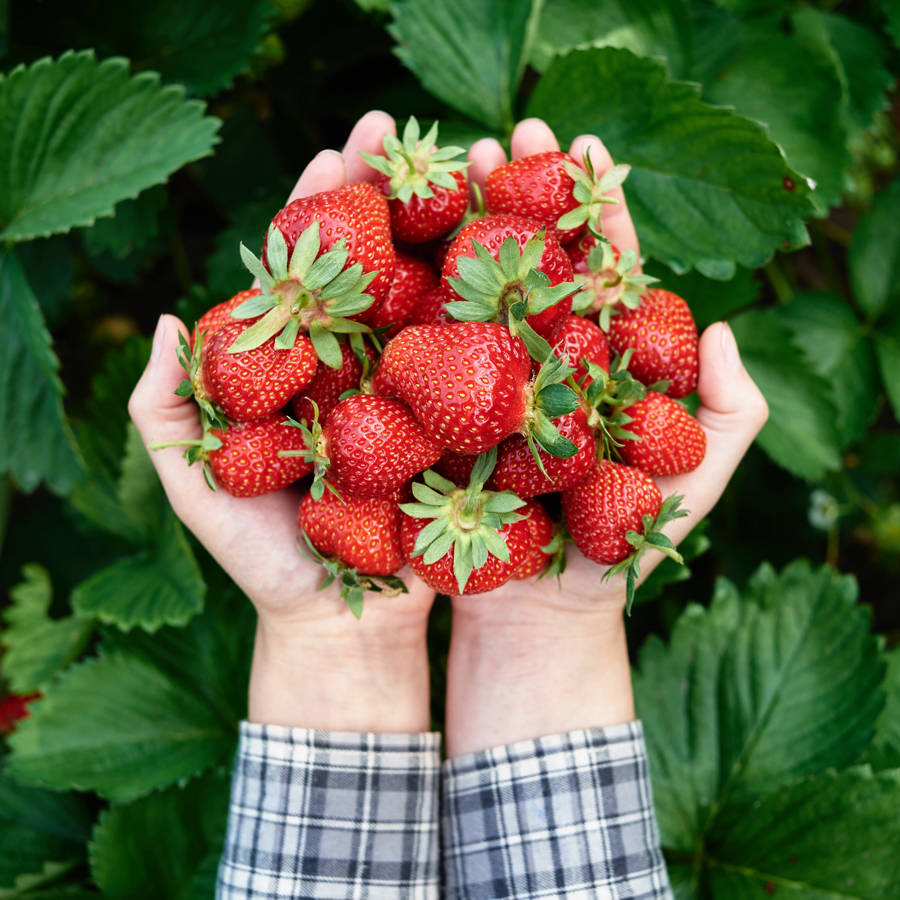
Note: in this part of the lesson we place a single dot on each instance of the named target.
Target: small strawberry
(505, 269)
(14, 708)
(543, 532)
(469, 386)
(552, 188)
(580, 339)
(412, 279)
(327, 384)
(464, 540)
(253, 383)
(615, 514)
(356, 541)
(604, 271)
(669, 441)
(375, 445)
(662, 333)
(425, 186)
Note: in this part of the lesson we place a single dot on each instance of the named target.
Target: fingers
(325, 172)
(614, 217)
(484, 155)
(532, 136)
(367, 136)
(732, 413)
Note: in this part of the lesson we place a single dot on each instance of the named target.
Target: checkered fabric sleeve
(564, 816)
(332, 815)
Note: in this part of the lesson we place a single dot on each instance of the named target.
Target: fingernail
(730, 353)
(158, 342)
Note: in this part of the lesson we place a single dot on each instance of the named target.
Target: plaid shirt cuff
(332, 815)
(564, 816)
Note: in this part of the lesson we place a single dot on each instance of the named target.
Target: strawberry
(468, 385)
(664, 338)
(363, 534)
(327, 384)
(412, 278)
(580, 339)
(552, 188)
(425, 186)
(530, 280)
(604, 271)
(519, 471)
(669, 441)
(464, 540)
(542, 530)
(457, 467)
(14, 708)
(248, 461)
(220, 314)
(254, 383)
(375, 445)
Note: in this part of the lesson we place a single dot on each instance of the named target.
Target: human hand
(314, 663)
(542, 657)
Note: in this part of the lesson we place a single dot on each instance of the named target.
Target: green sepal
(288, 335)
(549, 439)
(438, 482)
(259, 332)
(326, 345)
(556, 400)
(255, 267)
(184, 389)
(305, 251)
(538, 348)
(254, 307)
(276, 251)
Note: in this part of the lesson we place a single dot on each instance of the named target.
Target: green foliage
(707, 187)
(132, 129)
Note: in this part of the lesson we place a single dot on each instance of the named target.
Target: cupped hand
(255, 539)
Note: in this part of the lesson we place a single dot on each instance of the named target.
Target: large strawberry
(468, 385)
(668, 439)
(425, 186)
(413, 278)
(662, 333)
(506, 269)
(616, 514)
(552, 188)
(464, 540)
(375, 445)
(327, 385)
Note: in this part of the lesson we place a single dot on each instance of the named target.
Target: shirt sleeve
(569, 815)
(332, 815)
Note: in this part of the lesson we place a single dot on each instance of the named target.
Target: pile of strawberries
(464, 391)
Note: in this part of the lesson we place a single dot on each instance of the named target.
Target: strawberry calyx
(609, 283)
(313, 452)
(309, 292)
(548, 399)
(353, 583)
(556, 550)
(590, 192)
(196, 450)
(413, 164)
(211, 415)
(508, 289)
(467, 520)
(649, 538)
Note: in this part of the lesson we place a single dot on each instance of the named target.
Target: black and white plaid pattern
(332, 815)
(563, 816)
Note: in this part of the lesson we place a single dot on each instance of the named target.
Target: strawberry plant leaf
(892, 16)
(37, 646)
(135, 852)
(874, 255)
(755, 691)
(885, 750)
(120, 726)
(38, 827)
(887, 352)
(837, 347)
(649, 28)
(831, 835)
(802, 432)
(93, 135)
(160, 585)
(725, 195)
(37, 444)
(470, 54)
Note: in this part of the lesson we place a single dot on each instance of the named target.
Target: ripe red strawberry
(220, 314)
(580, 339)
(517, 469)
(476, 303)
(14, 708)
(670, 440)
(375, 445)
(363, 534)
(609, 502)
(426, 189)
(412, 279)
(542, 532)
(358, 213)
(253, 383)
(553, 189)
(664, 338)
(327, 384)
(248, 464)
(431, 309)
